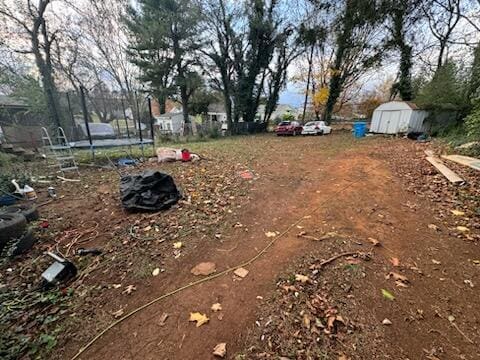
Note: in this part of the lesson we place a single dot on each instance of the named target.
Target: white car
(316, 128)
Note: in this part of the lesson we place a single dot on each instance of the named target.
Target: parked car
(316, 128)
(289, 128)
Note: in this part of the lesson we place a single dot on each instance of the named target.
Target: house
(396, 117)
(216, 113)
(280, 111)
(171, 123)
(18, 125)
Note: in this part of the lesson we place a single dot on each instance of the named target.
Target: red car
(289, 128)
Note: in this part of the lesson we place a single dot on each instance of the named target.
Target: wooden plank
(429, 153)
(464, 160)
(445, 171)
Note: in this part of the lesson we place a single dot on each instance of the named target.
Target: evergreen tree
(165, 38)
(354, 19)
(401, 19)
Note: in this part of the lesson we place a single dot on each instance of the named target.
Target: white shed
(398, 117)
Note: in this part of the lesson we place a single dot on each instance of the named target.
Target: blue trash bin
(359, 129)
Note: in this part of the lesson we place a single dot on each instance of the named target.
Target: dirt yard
(405, 285)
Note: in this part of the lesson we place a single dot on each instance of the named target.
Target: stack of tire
(15, 236)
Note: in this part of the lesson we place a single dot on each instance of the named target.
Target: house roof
(216, 108)
(398, 105)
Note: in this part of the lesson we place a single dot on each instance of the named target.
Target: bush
(214, 132)
(6, 159)
(472, 122)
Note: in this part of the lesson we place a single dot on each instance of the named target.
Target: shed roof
(398, 105)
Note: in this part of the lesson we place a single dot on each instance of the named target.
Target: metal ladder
(60, 152)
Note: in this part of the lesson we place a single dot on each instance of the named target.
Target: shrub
(472, 122)
(214, 132)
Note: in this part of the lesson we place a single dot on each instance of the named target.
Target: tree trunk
(405, 83)
(310, 65)
(49, 88)
(184, 98)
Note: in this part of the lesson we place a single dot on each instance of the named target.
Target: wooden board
(464, 160)
(445, 171)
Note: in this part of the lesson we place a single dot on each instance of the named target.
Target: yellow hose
(211, 277)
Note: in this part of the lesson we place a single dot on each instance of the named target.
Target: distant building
(171, 123)
(216, 113)
(279, 112)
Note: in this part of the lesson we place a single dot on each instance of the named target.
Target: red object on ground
(186, 155)
(44, 224)
(247, 175)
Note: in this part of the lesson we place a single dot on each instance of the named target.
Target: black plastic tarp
(150, 190)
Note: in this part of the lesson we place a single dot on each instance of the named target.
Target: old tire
(29, 211)
(12, 226)
(23, 244)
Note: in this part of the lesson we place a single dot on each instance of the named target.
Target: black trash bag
(150, 190)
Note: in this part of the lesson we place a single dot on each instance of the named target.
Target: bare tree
(29, 21)
(443, 17)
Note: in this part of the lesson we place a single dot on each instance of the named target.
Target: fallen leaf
(148, 228)
(270, 234)
(155, 272)
(116, 286)
(463, 228)
(353, 261)
(247, 175)
(436, 262)
(129, 289)
(199, 318)
(468, 282)
(433, 227)
(331, 321)
(216, 307)
(395, 261)
(457, 212)
(306, 321)
(220, 350)
(329, 235)
(288, 288)
(374, 242)
(177, 245)
(397, 277)
(163, 319)
(241, 272)
(387, 295)
(118, 313)
(204, 268)
(386, 322)
(301, 278)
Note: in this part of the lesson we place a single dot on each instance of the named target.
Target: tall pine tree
(165, 37)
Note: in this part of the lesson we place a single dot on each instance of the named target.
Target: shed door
(390, 121)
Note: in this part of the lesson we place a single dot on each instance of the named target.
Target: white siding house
(396, 117)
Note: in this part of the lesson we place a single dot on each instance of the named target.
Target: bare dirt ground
(335, 189)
